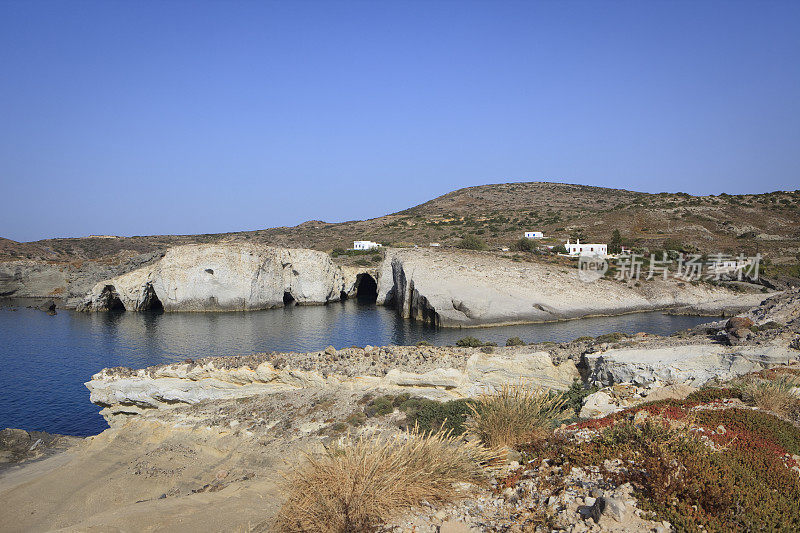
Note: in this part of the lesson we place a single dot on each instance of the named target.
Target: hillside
(767, 223)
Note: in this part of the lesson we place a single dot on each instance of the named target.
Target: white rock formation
(123, 392)
(462, 289)
(223, 277)
(691, 364)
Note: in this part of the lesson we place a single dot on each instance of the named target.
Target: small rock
(615, 508)
(738, 322)
(597, 509)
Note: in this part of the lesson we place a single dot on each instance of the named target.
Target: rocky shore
(443, 287)
(206, 444)
(462, 289)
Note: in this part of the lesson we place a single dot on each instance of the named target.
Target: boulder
(535, 368)
(690, 364)
(598, 405)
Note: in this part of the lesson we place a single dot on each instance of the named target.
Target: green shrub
(472, 242)
(423, 343)
(515, 341)
(383, 405)
(574, 396)
(356, 419)
(470, 342)
(525, 245)
(431, 416)
(612, 337)
(767, 326)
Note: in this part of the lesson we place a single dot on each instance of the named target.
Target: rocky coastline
(443, 288)
(220, 432)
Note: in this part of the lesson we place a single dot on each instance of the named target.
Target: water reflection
(45, 359)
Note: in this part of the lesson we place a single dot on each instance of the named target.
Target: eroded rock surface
(462, 289)
(461, 373)
(223, 277)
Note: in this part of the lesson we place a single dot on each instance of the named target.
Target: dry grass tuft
(778, 396)
(360, 485)
(515, 415)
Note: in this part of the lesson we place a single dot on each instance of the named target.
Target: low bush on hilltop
(362, 484)
(472, 242)
(525, 245)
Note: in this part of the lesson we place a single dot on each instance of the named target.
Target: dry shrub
(360, 485)
(515, 415)
(778, 396)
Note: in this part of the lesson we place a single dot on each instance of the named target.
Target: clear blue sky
(136, 118)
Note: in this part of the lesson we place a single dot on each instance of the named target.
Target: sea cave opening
(151, 301)
(112, 300)
(288, 299)
(366, 289)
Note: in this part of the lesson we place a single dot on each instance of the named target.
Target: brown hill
(767, 223)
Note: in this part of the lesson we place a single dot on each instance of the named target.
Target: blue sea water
(45, 360)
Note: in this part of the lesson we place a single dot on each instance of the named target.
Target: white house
(365, 245)
(534, 235)
(577, 248)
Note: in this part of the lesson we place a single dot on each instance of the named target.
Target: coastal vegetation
(359, 485)
(725, 457)
(515, 414)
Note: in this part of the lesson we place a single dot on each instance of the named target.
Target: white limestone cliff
(463, 289)
(223, 277)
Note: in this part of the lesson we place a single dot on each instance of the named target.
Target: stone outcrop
(127, 392)
(223, 277)
(616, 398)
(692, 364)
(462, 289)
(66, 282)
